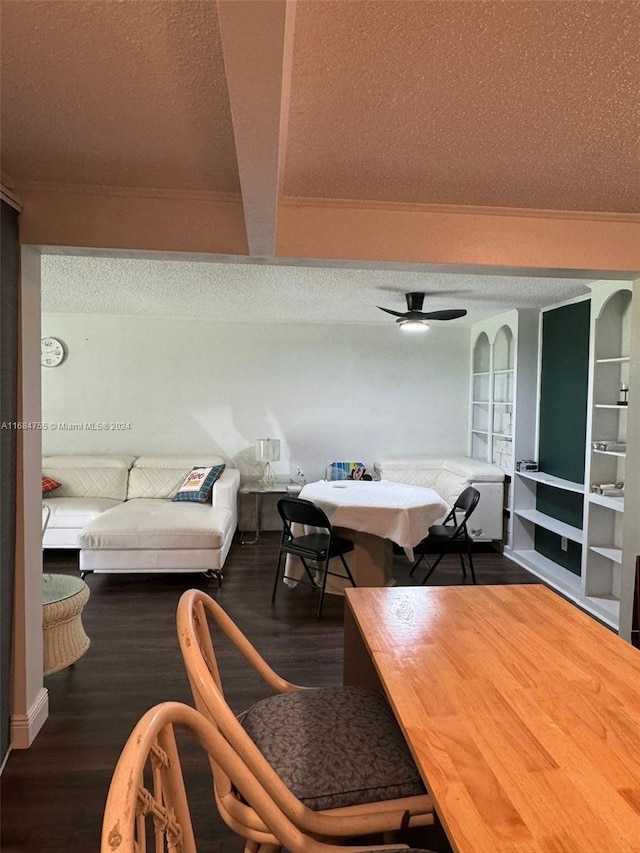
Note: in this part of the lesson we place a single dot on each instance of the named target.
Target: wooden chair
(450, 537)
(147, 807)
(288, 739)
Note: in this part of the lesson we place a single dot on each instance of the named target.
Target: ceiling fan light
(413, 325)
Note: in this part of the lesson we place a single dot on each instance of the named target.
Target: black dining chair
(450, 537)
(320, 545)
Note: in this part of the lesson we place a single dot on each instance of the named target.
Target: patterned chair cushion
(334, 746)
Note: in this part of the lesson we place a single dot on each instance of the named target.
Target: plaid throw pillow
(197, 487)
(48, 485)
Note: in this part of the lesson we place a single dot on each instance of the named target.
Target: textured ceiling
(519, 104)
(489, 103)
(125, 94)
(482, 102)
(257, 293)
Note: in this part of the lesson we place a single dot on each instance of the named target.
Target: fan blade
(453, 314)
(395, 313)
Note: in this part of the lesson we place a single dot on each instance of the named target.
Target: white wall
(343, 392)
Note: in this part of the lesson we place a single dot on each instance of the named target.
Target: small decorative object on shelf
(609, 490)
(610, 446)
(526, 465)
(624, 395)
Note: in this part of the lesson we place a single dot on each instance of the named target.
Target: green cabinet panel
(560, 504)
(564, 385)
(563, 391)
(549, 544)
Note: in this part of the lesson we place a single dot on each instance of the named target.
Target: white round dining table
(373, 515)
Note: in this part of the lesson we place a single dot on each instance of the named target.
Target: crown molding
(458, 209)
(10, 197)
(54, 187)
(214, 197)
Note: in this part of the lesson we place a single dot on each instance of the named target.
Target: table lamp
(268, 451)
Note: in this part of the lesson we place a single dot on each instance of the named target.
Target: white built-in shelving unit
(606, 422)
(503, 366)
(527, 518)
(481, 398)
(492, 395)
(597, 587)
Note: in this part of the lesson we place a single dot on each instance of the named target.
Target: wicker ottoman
(64, 639)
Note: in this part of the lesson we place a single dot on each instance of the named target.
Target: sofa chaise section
(89, 485)
(151, 533)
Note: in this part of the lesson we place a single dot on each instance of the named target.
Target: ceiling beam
(257, 43)
(446, 234)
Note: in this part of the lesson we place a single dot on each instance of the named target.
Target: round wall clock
(52, 352)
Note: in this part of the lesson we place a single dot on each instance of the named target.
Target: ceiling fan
(415, 319)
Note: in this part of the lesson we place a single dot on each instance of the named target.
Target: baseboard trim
(25, 727)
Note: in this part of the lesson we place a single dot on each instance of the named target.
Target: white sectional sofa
(118, 511)
(449, 475)
(90, 485)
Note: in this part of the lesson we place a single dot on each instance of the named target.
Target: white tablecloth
(394, 511)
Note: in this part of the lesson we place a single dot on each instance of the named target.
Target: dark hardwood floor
(53, 794)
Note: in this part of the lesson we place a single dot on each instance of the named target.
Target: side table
(259, 490)
(63, 636)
